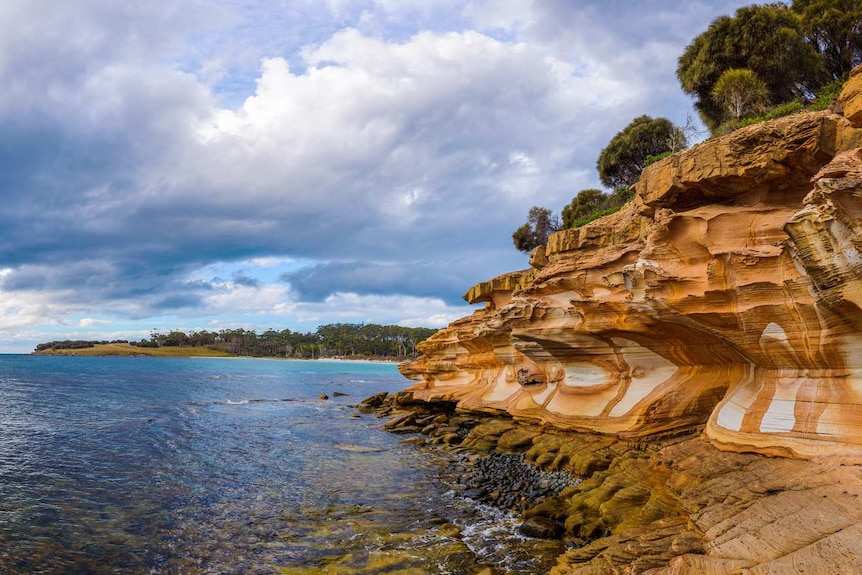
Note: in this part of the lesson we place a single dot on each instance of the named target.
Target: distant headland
(331, 341)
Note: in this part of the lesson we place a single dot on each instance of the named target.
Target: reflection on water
(150, 465)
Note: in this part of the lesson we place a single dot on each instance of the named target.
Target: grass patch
(771, 114)
(595, 216)
(825, 98)
(124, 349)
(652, 159)
(827, 95)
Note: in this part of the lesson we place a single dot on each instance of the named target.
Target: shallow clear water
(192, 466)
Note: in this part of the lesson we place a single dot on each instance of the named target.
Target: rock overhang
(727, 294)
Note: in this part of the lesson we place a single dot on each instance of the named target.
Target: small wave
(253, 400)
(358, 448)
(491, 537)
(493, 522)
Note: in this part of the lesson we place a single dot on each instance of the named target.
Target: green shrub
(656, 157)
(772, 113)
(590, 205)
(622, 160)
(740, 91)
(827, 94)
(593, 217)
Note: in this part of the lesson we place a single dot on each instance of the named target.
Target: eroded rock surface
(728, 293)
(669, 505)
(695, 357)
(724, 514)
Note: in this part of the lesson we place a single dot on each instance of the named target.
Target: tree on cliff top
(834, 29)
(740, 92)
(582, 205)
(766, 39)
(589, 205)
(541, 223)
(620, 164)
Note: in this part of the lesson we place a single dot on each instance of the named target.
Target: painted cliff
(727, 294)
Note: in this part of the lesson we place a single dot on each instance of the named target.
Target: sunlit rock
(728, 293)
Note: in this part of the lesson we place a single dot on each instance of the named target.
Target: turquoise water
(193, 466)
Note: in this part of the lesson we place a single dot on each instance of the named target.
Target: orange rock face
(728, 293)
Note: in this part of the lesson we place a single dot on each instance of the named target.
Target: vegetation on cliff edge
(763, 62)
(331, 340)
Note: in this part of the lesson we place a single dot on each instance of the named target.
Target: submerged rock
(449, 530)
(541, 528)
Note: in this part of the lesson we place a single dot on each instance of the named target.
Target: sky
(216, 164)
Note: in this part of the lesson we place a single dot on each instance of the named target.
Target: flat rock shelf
(668, 505)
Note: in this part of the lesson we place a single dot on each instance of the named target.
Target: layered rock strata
(705, 346)
(727, 294)
(666, 506)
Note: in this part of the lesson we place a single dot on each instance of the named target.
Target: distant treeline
(75, 344)
(331, 340)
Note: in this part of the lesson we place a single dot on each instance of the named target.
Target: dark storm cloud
(123, 172)
(240, 278)
(318, 282)
(176, 302)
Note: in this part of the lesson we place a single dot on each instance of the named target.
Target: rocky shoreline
(694, 358)
(489, 464)
(664, 505)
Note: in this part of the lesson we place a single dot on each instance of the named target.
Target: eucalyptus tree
(541, 223)
(740, 92)
(767, 39)
(834, 29)
(621, 162)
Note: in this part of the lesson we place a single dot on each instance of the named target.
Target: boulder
(375, 400)
(540, 528)
(851, 98)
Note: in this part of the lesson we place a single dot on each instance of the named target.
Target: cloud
(358, 149)
(318, 282)
(403, 310)
(633, 44)
(90, 322)
(240, 278)
(392, 149)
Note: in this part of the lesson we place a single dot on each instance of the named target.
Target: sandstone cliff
(712, 324)
(727, 293)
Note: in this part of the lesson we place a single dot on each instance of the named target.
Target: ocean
(236, 466)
